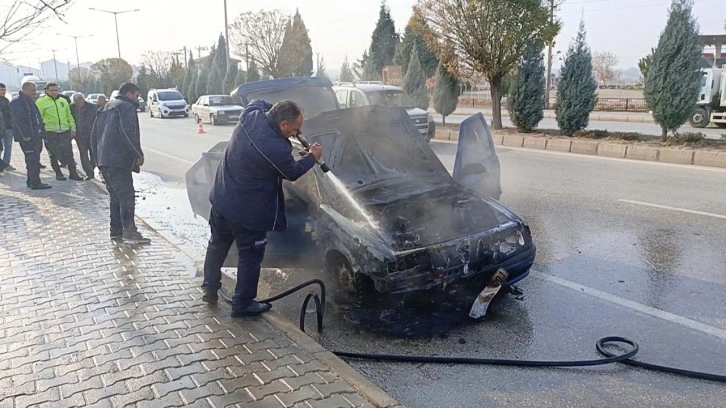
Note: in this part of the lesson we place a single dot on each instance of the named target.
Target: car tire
(213, 120)
(699, 118)
(196, 118)
(351, 285)
(151, 113)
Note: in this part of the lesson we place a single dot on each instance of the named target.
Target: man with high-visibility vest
(60, 128)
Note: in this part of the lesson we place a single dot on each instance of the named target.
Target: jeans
(251, 250)
(32, 149)
(7, 141)
(120, 186)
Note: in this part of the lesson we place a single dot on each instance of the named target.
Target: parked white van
(166, 103)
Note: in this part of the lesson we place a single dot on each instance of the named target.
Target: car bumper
(517, 265)
(175, 113)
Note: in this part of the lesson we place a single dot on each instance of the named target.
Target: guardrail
(602, 104)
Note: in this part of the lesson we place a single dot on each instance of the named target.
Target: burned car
(388, 216)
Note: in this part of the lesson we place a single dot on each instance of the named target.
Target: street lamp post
(78, 61)
(115, 19)
(226, 31)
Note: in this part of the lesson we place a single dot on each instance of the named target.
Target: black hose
(600, 346)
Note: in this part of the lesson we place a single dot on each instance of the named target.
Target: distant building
(54, 70)
(716, 58)
(11, 75)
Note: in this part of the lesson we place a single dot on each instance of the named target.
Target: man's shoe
(254, 308)
(40, 186)
(135, 238)
(210, 298)
(75, 176)
(10, 168)
(60, 177)
(117, 237)
(88, 178)
(42, 166)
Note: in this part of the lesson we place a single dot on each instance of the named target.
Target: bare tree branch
(603, 63)
(23, 18)
(261, 32)
(159, 64)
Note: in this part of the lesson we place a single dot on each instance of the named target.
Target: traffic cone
(200, 128)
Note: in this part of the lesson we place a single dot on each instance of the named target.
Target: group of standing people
(107, 136)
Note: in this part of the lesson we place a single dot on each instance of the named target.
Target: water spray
(324, 167)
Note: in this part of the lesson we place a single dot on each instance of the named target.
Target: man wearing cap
(84, 114)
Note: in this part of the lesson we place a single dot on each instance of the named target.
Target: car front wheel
(213, 120)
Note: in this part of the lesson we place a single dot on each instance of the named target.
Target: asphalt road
(624, 248)
(642, 128)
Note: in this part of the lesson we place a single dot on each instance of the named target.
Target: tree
(261, 33)
(446, 91)
(414, 82)
(527, 93)
(22, 19)
(365, 70)
(230, 79)
(321, 72)
(644, 63)
(576, 92)
(111, 73)
(175, 76)
(142, 80)
(488, 36)
(411, 37)
(241, 77)
(192, 94)
(83, 80)
(296, 53)
(383, 42)
(673, 82)
(189, 78)
(158, 63)
(200, 85)
(604, 64)
(252, 73)
(215, 84)
(346, 72)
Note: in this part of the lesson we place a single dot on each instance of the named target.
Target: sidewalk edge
(366, 388)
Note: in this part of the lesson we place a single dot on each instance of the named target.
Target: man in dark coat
(6, 136)
(117, 141)
(247, 198)
(28, 130)
(84, 114)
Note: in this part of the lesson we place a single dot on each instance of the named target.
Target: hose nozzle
(323, 166)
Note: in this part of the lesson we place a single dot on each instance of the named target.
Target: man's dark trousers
(120, 186)
(251, 250)
(32, 149)
(84, 146)
(60, 150)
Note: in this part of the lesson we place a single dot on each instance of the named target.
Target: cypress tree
(411, 37)
(414, 82)
(446, 93)
(230, 78)
(192, 92)
(253, 74)
(527, 93)
(672, 81)
(305, 65)
(383, 42)
(188, 78)
(322, 72)
(241, 78)
(576, 92)
(200, 86)
(346, 72)
(289, 55)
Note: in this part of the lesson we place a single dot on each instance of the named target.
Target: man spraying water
(247, 198)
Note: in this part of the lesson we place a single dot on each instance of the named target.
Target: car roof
(369, 87)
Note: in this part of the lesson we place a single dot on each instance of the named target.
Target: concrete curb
(605, 149)
(634, 117)
(374, 394)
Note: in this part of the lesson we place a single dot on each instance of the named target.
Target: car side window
(342, 95)
(356, 99)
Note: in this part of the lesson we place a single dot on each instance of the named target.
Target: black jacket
(84, 118)
(115, 137)
(5, 116)
(26, 118)
(247, 189)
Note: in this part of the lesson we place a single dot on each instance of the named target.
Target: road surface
(625, 248)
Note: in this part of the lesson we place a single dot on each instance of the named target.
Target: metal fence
(602, 104)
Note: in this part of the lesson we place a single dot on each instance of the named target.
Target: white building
(11, 75)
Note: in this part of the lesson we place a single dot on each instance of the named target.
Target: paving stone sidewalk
(87, 322)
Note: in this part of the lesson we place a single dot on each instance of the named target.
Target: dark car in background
(392, 218)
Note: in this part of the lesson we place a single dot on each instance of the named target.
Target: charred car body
(392, 217)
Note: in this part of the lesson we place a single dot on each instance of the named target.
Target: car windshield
(220, 101)
(313, 99)
(390, 98)
(170, 96)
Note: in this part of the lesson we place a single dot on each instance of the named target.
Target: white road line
(665, 207)
(169, 156)
(670, 317)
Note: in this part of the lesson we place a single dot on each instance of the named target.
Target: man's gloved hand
(316, 150)
(140, 161)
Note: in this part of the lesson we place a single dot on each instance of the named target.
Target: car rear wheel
(213, 120)
(151, 113)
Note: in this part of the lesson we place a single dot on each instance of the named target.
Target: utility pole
(78, 61)
(247, 57)
(226, 31)
(115, 19)
(200, 49)
(55, 64)
(553, 6)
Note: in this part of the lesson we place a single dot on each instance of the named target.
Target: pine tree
(411, 37)
(214, 82)
(142, 80)
(576, 92)
(241, 77)
(188, 78)
(446, 92)
(230, 78)
(305, 68)
(253, 74)
(527, 92)
(192, 93)
(200, 86)
(346, 72)
(322, 72)
(289, 54)
(414, 82)
(672, 83)
(383, 42)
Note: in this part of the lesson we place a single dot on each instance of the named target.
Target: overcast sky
(338, 28)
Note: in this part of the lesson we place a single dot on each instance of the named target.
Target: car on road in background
(93, 98)
(166, 103)
(217, 109)
(354, 94)
(142, 105)
(388, 217)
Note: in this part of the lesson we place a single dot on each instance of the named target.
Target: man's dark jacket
(26, 118)
(5, 116)
(247, 189)
(84, 118)
(115, 137)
